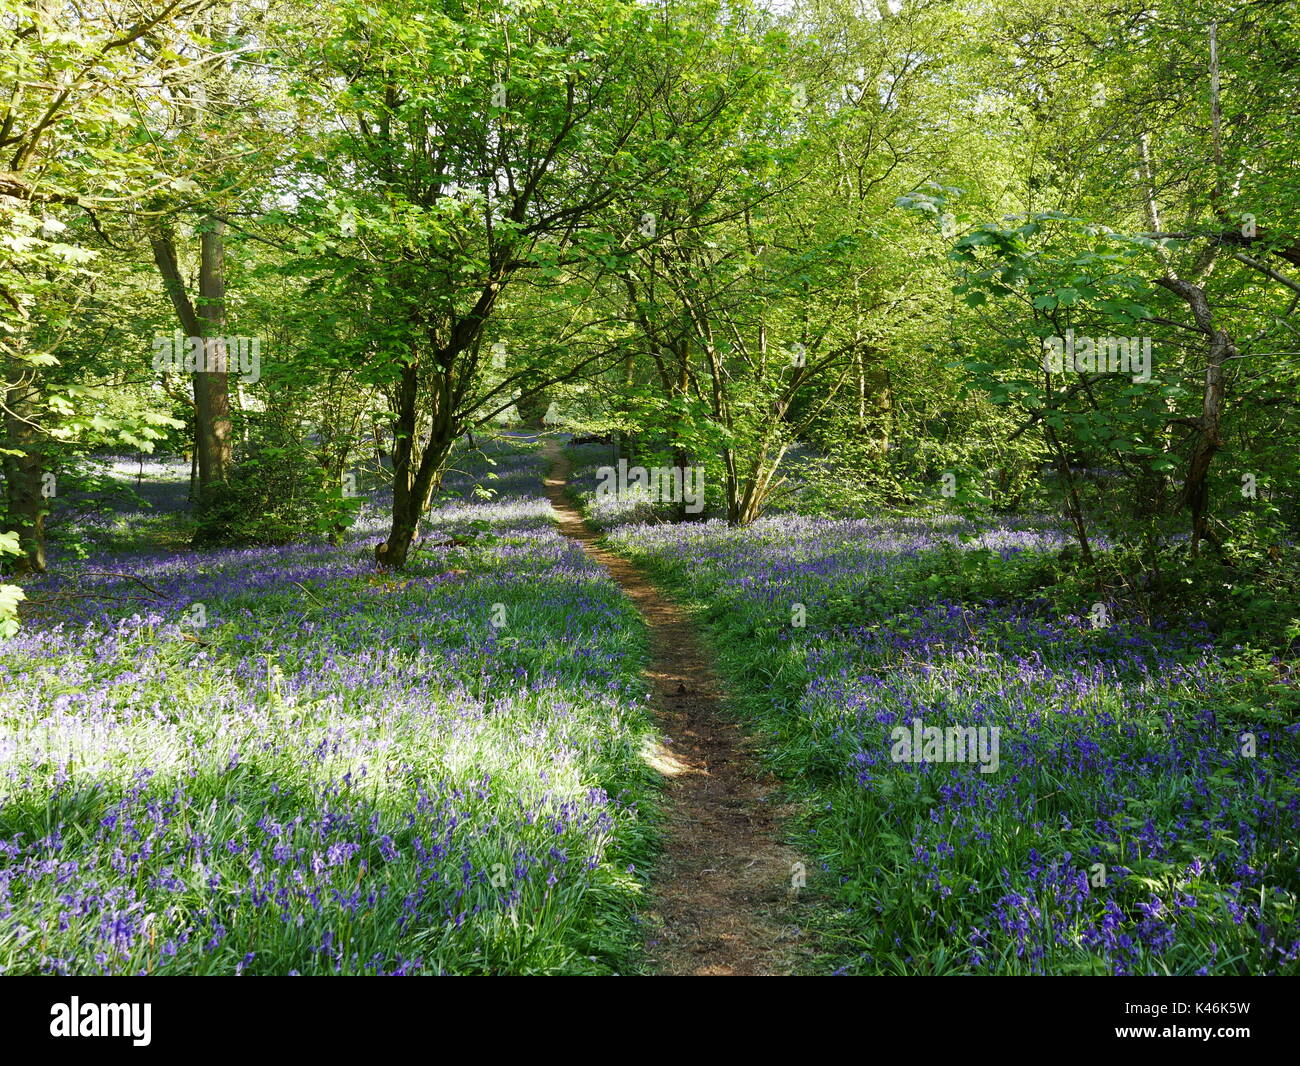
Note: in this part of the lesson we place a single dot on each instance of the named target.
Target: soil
(723, 896)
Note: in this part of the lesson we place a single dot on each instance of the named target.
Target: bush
(273, 496)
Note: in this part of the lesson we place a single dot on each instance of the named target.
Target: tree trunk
(875, 401)
(212, 442)
(25, 504)
(748, 493)
(416, 471)
(1074, 506)
(681, 461)
(212, 387)
(1196, 490)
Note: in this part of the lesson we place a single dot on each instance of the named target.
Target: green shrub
(273, 496)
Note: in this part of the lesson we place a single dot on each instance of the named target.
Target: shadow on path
(722, 901)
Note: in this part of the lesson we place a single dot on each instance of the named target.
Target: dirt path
(722, 902)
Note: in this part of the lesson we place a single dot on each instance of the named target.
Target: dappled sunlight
(461, 742)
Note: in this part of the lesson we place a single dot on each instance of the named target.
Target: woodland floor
(721, 898)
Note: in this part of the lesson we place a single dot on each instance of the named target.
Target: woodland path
(722, 902)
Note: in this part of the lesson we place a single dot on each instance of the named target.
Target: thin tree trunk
(25, 505)
(416, 471)
(1196, 491)
(681, 461)
(1075, 506)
